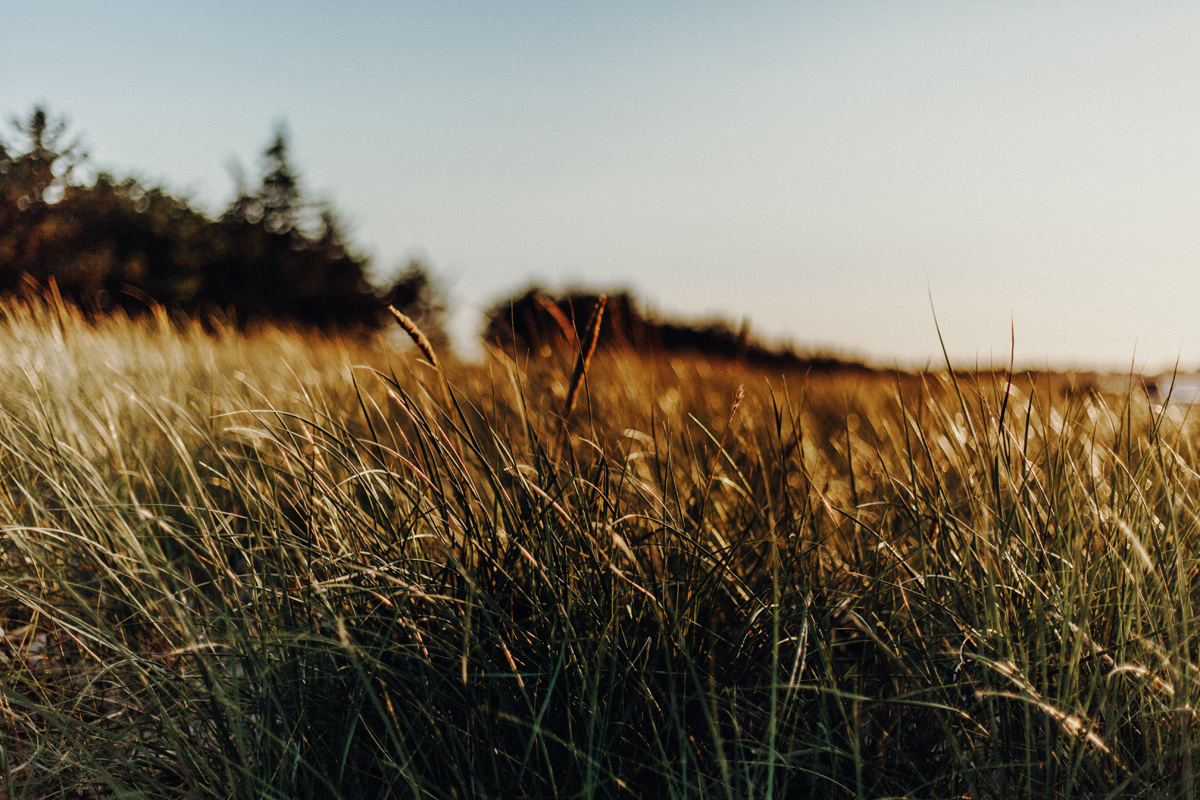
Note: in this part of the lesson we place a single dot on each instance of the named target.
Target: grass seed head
(419, 338)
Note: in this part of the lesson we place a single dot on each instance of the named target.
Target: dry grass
(283, 567)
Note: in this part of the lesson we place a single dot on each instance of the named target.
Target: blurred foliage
(272, 255)
(538, 323)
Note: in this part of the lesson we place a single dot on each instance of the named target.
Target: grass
(276, 566)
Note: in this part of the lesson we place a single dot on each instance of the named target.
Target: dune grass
(278, 566)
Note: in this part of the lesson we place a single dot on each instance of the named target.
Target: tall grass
(287, 567)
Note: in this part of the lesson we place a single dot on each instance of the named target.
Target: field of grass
(276, 566)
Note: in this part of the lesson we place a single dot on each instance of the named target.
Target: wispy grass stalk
(583, 360)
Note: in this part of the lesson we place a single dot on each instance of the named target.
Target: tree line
(539, 323)
(275, 256)
(272, 255)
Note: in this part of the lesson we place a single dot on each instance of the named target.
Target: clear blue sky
(819, 168)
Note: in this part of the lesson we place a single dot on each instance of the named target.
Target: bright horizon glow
(823, 170)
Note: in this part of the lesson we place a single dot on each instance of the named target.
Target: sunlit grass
(273, 566)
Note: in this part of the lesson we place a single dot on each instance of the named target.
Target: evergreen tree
(271, 255)
(288, 258)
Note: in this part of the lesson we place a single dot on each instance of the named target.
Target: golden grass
(274, 565)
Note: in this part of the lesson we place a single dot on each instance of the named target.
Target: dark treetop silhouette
(538, 324)
(271, 255)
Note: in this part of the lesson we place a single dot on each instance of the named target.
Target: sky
(836, 173)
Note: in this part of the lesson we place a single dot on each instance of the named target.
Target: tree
(277, 204)
(280, 191)
(289, 258)
(42, 170)
(272, 255)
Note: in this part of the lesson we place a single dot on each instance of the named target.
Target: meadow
(282, 565)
